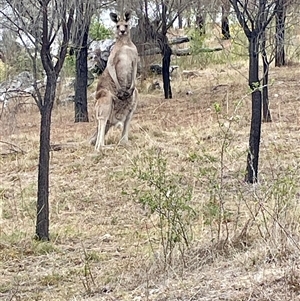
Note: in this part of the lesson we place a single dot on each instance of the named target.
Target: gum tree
(155, 18)
(83, 14)
(280, 17)
(225, 7)
(41, 26)
(254, 17)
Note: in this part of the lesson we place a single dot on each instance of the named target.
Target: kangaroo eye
(118, 26)
(126, 26)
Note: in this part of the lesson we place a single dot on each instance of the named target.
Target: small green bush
(98, 31)
(163, 193)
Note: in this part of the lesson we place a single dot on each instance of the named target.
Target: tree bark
(280, 33)
(81, 109)
(166, 53)
(166, 72)
(200, 24)
(42, 222)
(265, 89)
(255, 128)
(225, 22)
(180, 22)
(45, 105)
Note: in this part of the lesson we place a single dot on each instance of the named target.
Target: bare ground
(105, 246)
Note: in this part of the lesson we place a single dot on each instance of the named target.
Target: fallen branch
(179, 40)
(180, 52)
(61, 146)
(11, 149)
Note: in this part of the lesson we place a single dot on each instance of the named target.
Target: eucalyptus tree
(225, 8)
(155, 18)
(254, 17)
(201, 9)
(200, 15)
(41, 26)
(281, 14)
(84, 11)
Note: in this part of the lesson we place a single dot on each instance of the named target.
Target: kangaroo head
(122, 28)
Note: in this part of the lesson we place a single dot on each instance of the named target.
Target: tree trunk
(42, 222)
(225, 22)
(180, 22)
(166, 52)
(200, 23)
(265, 89)
(166, 61)
(280, 34)
(81, 112)
(255, 128)
(45, 105)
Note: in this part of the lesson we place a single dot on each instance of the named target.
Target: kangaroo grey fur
(111, 110)
(123, 59)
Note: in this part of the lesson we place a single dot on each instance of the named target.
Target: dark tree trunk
(81, 111)
(255, 128)
(166, 60)
(280, 33)
(188, 22)
(225, 23)
(180, 22)
(166, 52)
(42, 223)
(265, 89)
(200, 18)
(200, 23)
(254, 24)
(45, 105)
(225, 29)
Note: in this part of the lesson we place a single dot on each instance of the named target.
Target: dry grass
(104, 245)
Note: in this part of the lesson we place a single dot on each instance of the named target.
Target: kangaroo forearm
(112, 72)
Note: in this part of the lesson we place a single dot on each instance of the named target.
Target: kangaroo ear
(114, 17)
(127, 16)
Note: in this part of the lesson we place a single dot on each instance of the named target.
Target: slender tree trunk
(81, 110)
(265, 94)
(200, 23)
(45, 105)
(166, 53)
(166, 60)
(42, 223)
(255, 128)
(265, 89)
(188, 22)
(280, 33)
(225, 22)
(180, 22)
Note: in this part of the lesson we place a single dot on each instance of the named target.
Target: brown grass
(104, 245)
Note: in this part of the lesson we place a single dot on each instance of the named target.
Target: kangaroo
(123, 59)
(111, 110)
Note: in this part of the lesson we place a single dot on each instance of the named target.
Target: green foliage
(196, 40)
(69, 66)
(217, 107)
(98, 31)
(203, 54)
(164, 194)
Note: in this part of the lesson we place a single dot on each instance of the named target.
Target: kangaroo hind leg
(124, 138)
(103, 110)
